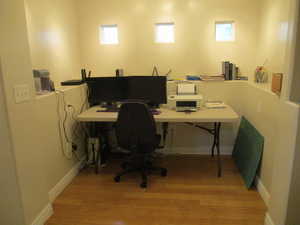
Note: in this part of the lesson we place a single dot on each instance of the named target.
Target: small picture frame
(277, 83)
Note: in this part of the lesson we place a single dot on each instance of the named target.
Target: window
(164, 33)
(109, 35)
(225, 31)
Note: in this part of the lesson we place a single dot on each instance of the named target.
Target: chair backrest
(135, 128)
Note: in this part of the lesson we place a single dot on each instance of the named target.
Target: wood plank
(190, 194)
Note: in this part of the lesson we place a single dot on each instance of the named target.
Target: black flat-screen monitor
(149, 89)
(107, 89)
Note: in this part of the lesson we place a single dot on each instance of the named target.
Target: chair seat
(136, 132)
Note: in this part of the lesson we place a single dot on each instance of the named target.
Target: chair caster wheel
(117, 179)
(164, 173)
(143, 185)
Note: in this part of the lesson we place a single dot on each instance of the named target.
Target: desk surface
(226, 115)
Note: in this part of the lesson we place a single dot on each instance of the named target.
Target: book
(212, 78)
(227, 70)
(223, 68)
(234, 72)
(230, 71)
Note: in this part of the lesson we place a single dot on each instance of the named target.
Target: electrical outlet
(21, 93)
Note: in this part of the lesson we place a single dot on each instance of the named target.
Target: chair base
(144, 170)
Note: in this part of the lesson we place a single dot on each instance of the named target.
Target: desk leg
(103, 150)
(216, 133)
(215, 140)
(217, 144)
(99, 151)
(165, 127)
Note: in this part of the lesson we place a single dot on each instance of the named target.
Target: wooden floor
(191, 194)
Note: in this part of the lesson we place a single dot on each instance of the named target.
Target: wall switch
(21, 93)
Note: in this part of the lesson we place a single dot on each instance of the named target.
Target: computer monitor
(107, 89)
(151, 89)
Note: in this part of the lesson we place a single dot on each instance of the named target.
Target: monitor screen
(151, 89)
(107, 89)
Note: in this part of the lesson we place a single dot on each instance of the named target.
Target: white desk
(216, 116)
(225, 115)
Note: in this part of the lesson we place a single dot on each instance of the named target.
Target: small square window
(225, 31)
(164, 33)
(109, 35)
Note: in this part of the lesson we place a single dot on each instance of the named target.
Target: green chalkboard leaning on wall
(248, 151)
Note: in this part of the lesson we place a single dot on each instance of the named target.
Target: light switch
(21, 93)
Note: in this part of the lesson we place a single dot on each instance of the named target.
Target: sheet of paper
(186, 89)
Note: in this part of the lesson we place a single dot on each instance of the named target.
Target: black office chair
(136, 132)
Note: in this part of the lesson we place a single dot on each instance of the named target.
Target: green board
(248, 150)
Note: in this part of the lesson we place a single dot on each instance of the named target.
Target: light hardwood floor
(191, 194)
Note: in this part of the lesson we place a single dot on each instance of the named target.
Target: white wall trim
(44, 215)
(64, 182)
(268, 220)
(262, 190)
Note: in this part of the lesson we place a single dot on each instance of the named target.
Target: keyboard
(153, 111)
(109, 110)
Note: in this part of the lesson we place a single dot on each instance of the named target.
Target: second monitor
(150, 89)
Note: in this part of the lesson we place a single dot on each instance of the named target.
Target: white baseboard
(64, 182)
(44, 215)
(265, 195)
(268, 220)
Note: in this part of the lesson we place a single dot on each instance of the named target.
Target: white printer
(186, 99)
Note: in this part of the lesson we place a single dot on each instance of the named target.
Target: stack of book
(212, 78)
(229, 70)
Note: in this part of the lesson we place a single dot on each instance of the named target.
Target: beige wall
(283, 161)
(276, 117)
(295, 90)
(195, 50)
(53, 37)
(16, 69)
(37, 152)
(273, 36)
(293, 216)
(9, 191)
(40, 163)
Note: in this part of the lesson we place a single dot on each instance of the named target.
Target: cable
(77, 124)
(169, 72)
(86, 100)
(65, 118)
(59, 125)
(62, 123)
(155, 71)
